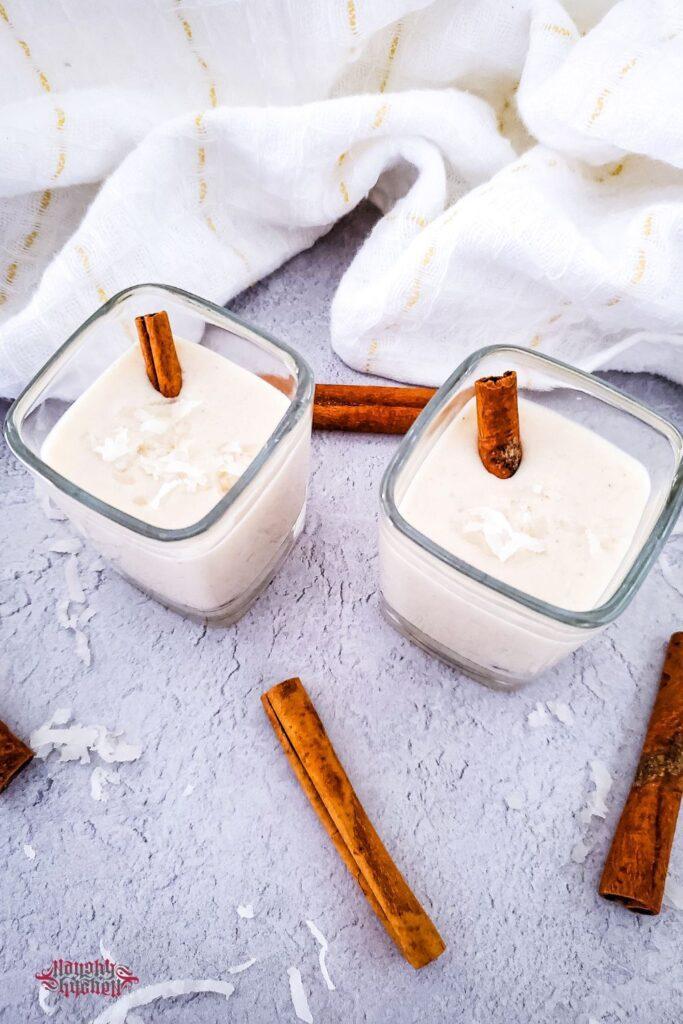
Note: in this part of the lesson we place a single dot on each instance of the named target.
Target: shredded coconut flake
(86, 615)
(119, 1011)
(165, 489)
(189, 788)
(515, 800)
(561, 711)
(673, 894)
(593, 541)
(29, 851)
(76, 742)
(299, 1000)
(245, 910)
(44, 1002)
(65, 620)
(74, 589)
(580, 851)
(83, 647)
(596, 806)
(115, 447)
(322, 953)
(502, 539)
(108, 955)
(65, 546)
(238, 968)
(537, 717)
(98, 782)
(49, 508)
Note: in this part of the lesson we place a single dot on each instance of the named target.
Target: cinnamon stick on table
(159, 353)
(500, 445)
(323, 779)
(14, 755)
(368, 408)
(638, 860)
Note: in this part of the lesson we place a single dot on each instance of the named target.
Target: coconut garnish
(83, 647)
(114, 448)
(154, 442)
(596, 806)
(580, 851)
(29, 851)
(98, 782)
(65, 546)
(537, 717)
(75, 595)
(594, 543)
(76, 742)
(118, 1013)
(74, 588)
(514, 800)
(299, 999)
(503, 540)
(238, 968)
(561, 711)
(106, 953)
(322, 953)
(245, 910)
(44, 1002)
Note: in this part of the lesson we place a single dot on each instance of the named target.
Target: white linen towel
(528, 159)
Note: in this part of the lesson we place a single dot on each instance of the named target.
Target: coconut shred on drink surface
(166, 461)
(559, 529)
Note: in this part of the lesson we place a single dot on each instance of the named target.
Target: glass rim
(641, 564)
(301, 400)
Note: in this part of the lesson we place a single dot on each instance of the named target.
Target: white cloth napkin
(527, 157)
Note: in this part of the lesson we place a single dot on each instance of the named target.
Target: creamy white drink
(166, 461)
(169, 461)
(559, 530)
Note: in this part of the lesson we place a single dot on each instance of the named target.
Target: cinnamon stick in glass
(638, 860)
(499, 442)
(368, 408)
(14, 756)
(323, 779)
(159, 353)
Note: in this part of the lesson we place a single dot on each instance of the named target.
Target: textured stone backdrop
(210, 816)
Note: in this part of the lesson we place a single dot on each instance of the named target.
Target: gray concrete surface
(157, 872)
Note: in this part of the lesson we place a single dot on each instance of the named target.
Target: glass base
(229, 613)
(495, 678)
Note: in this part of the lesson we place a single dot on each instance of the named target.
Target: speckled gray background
(157, 873)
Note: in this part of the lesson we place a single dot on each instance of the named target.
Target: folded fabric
(529, 168)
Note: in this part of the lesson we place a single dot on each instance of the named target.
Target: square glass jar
(215, 568)
(497, 634)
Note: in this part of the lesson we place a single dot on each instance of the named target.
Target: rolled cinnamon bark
(368, 408)
(159, 353)
(500, 445)
(638, 860)
(323, 779)
(14, 755)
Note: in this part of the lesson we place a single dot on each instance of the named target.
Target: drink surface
(166, 461)
(559, 529)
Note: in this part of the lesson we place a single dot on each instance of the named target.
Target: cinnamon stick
(323, 779)
(368, 408)
(638, 860)
(499, 442)
(14, 756)
(159, 353)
